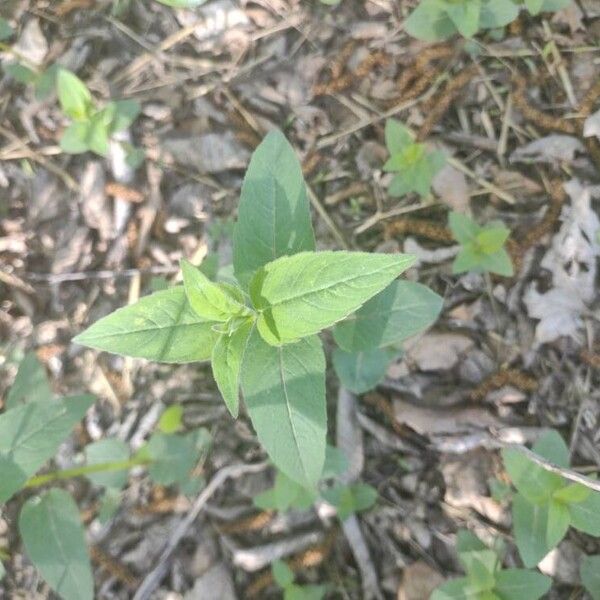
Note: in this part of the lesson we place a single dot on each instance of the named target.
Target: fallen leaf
(591, 125)
(437, 351)
(418, 581)
(551, 149)
(451, 186)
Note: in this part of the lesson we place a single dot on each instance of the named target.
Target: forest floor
(81, 236)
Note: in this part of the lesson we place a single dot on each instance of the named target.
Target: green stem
(120, 465)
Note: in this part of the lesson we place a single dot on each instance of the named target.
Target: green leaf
(361, 371)
(123, 113)
(350, 499)
(107, 451)
(397, 136)
(530, 525)
(552, 447)
(161, 327)
(465, 16)
(559, 519)
(519, 584)
(584, 515)
(97, 136)
(572, 493)
(20, 73)
(30, 434)
(284, 390)
(171, 419)
(209, 300)
(491, 239)
(499, 263)
(336, 462)
(227, 362)
(497, 13)
(273, 214)
(46, 82)
(182, 3)
(74, 97)
(12, 478)
(456, 589)
(2, 571)
(302, 294)
(400, 311)
(480, 566)
(430, 22)
(534, 6)
(31, 383)
(304, 592)
(109, 505)
(467, 259)
(417, 168)
(463, 228)
(554, 5)
(532, 481)
(467, 541)
(54, 540)
(590, 575)
(74, 138)
(174, 456)
(6, 31)
(282, 574)
(285, 494)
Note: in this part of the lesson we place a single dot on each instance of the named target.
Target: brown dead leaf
(418, 581)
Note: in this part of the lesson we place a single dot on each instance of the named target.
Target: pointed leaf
(397, 136)
(552, 447)
(590, 575)
(430, 22)
(54, 540)
(282, 574)
(585, 515)
(519, 584)
(227, 362)
(31, 383)
(75, 99)
(456, 589)
(302, 294)
(161, 327)
(400, 311)
(530, 525)
(273, 215)
(209, 300)
(361, 371)
(30, 434)
(284, 390)
(463, 228)
(107, 451)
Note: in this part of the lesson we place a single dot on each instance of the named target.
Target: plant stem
(120, 465)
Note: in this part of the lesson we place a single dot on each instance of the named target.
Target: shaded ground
(80, 236)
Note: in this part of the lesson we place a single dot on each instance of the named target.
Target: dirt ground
(81, 236)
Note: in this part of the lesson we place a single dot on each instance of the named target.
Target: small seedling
(284, 577)
(546, 504)
(486, 579)
(260, 330)
(91, 128)
(482, 247)
(346, 499)
(415, 166)
(32, 428)
(436, 20)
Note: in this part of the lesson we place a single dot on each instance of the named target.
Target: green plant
(347, 499)
(590, 575)
(32, 427)
(486, 579)
(91, 128)
(482, 247)
(284, 577)
(261, 332)
(546, 504)
(414, 165)
(435, 20)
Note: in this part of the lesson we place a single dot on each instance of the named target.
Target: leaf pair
(31, 430)
(284, 577)
(546, 504)
(486, 580)
(414, 164)
(91, 128)
(435, 20)
(482, 247)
